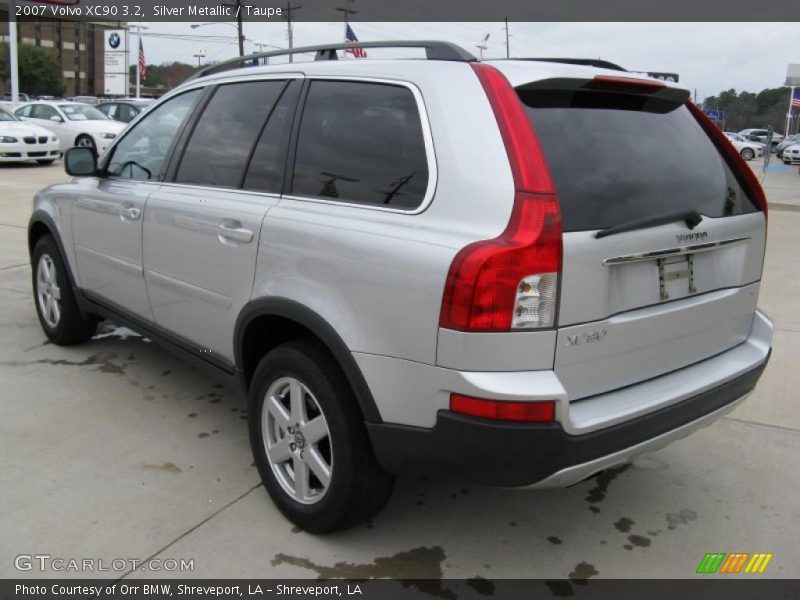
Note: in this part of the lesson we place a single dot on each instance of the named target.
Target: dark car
(123, 110)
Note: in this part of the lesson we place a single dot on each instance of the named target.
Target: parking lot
(116, 449)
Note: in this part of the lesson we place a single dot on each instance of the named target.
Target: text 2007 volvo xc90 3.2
(512, 272)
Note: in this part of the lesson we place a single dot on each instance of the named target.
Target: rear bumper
(471, 449)
(560, 454)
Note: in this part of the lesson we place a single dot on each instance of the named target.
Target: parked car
(6, 97)
(791, 154)
(92, 100)
(406, 270)
(75, 124)
(785, 143)
(748, 150)
(124, 111)
(760, 135)
(26, 141)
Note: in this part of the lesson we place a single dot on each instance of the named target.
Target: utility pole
(199, 56)
(239, 26)
(508, 50)
(482, 46)
(289, 9)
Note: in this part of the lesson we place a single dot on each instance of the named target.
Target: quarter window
(223, 139)
(361, 142)
(142, 153)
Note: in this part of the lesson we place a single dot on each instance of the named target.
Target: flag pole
(789, 115)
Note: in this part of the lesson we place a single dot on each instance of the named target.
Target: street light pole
(12, 51)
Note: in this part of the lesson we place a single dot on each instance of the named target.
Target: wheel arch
(283, 320)
(41, 224)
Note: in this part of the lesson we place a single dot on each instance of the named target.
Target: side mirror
(56, 119)
(80, 161)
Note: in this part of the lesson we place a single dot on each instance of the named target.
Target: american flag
(350, 37)
(142, 62)
(795, 97)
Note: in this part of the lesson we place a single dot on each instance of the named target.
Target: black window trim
(427, 137)
(179, 148)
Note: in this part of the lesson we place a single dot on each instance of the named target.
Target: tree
(165, 75)
(39, 70)
(746, 109)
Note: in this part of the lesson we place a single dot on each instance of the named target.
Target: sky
(710, 57)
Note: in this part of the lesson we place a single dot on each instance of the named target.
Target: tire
(60, 317)
(85, 141)
(748, 153)
(357, 487)
(46, 161)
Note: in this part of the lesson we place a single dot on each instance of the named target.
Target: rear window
(615, 158)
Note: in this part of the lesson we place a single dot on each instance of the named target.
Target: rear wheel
(56, 306)
(309, 441)
(748, 154)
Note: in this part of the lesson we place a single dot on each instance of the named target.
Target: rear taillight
(499, 410)
(511, 281)
(744, 175)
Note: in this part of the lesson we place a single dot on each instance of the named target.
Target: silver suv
(512, 272)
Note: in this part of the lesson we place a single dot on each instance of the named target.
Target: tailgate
(646, 301)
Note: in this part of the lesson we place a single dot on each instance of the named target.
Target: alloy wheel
(297, 440)
(47, 291)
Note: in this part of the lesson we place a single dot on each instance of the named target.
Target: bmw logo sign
(114, 40)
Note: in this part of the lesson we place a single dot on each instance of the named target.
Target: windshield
(7, 116)
(81, 112)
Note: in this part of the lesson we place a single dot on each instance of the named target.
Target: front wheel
(309, 441)
(56, 306)
(85, 141)
(748, 154)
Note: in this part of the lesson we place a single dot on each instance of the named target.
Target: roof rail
(434, 50)
(586, 62)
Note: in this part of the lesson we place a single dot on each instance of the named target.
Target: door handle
(233, 230)
(130, 213)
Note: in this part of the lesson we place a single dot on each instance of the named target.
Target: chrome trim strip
(681, 250)
(577, 473)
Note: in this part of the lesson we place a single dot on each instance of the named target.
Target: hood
(107, 126)
(23, 128)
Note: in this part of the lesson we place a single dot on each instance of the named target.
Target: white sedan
(26, 141)
(749, 150)
(791, 154)
(75, 124)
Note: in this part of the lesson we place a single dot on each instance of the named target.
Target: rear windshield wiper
(690, 216)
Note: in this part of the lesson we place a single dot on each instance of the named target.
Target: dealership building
(79, 46)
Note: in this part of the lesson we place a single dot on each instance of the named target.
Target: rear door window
(220, 145)
(362, 143)
(615, 158)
